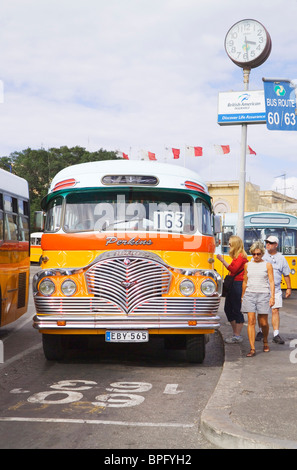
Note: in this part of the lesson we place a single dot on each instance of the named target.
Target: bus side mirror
(217, 224)
(39, 221)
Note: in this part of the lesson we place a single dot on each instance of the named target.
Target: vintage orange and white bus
(128, 252)
(14, 247)
(35, 247)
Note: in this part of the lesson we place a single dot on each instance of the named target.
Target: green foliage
(39, 167)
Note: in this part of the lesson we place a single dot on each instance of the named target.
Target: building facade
(225, 198)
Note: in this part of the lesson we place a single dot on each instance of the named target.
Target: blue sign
(280, 104)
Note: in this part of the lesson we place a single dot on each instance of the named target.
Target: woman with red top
(233, 299)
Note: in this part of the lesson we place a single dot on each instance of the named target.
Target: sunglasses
(257, 254)
(271, 243)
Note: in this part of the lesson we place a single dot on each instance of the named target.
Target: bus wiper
(137, 219)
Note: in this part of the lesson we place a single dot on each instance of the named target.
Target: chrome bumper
(162, 313)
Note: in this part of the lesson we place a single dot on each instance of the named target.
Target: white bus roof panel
(90, 174)
(13, 184)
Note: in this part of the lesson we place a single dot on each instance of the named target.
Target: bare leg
(263, 320)
(251, 330)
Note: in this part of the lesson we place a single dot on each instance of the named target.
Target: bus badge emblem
(128, 284)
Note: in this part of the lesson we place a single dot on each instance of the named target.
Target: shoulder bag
(228, 283)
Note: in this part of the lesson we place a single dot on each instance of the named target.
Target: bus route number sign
(280, 104)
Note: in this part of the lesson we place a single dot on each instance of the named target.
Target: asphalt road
(108, 396)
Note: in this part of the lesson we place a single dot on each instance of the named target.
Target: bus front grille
(128, 282)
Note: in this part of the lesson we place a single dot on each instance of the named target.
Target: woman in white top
(257, 295)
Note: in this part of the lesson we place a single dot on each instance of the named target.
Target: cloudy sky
(135, 75)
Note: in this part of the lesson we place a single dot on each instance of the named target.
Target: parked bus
(258, 226)
(14, 247)
(128, 252)
(35, 247)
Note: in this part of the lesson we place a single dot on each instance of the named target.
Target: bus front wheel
(54, 347)
(195, 348)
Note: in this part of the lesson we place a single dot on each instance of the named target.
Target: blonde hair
(257, 245)
(236, 247)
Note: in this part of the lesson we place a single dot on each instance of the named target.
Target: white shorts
(278, 300)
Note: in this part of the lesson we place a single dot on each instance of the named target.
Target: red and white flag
(194, 151)
(176, 153)
(145, 155)
(222, 149)
(123, 155)
(152, 156)
(250, 151)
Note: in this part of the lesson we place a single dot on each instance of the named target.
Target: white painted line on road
(95, 421)
(20, 356)
(20, 325)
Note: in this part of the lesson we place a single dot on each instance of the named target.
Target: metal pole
(242, 175)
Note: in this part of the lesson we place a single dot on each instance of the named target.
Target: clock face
(248, 43)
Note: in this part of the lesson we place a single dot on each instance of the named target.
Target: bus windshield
(286, 237)
(131, 209)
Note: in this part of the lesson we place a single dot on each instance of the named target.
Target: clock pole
(242, 174)
(248, 45)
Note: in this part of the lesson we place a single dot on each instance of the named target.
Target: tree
(39, 167)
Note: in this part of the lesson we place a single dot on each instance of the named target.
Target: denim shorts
(257, 302)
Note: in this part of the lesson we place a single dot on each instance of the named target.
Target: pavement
(254, 405)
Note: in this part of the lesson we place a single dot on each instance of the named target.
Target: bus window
(11, 227)
(289, 242)
(204, 218)
(23, 229)
(53, 219)
(136, 210)
(228, 231)
(252, 235)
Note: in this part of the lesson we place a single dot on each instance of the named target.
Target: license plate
(120, 336)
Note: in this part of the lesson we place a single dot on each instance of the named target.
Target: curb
(216, 423)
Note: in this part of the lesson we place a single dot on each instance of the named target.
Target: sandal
(266, 347)
(252, 353)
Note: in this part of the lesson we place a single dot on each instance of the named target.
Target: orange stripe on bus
(130, 241)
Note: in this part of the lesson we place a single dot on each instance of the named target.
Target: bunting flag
(176, 153)
(194, 151)
(189, 151)
(148, 155)
(123, 155)
(222, 149)
(250, 151)
(152, 156)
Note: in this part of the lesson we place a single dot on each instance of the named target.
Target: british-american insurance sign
(239, 107)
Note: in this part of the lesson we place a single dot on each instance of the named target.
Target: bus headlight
(187, 287)
(208, 287)
(47, 287)
(68, 287)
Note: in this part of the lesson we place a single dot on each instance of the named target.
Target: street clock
(248, 44)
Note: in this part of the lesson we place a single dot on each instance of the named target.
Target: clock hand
(246, 47)
(250, 42)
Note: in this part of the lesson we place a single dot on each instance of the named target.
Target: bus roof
(262, 218)
(121, 172)
(13, 184)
